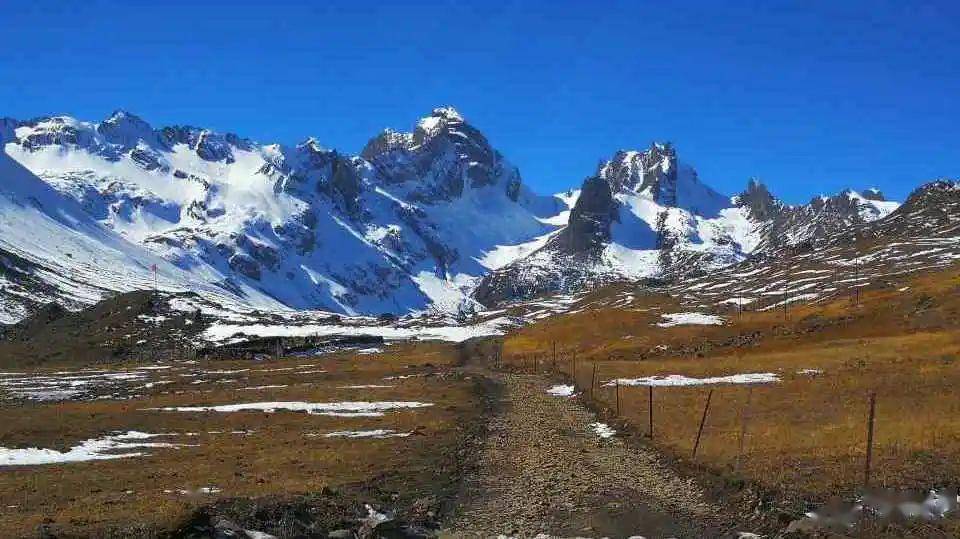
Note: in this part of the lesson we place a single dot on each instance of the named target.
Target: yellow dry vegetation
(805, 436)
(242, 454)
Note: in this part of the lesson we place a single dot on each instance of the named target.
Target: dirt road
(543, 469)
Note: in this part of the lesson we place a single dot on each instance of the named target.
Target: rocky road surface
(544, 470)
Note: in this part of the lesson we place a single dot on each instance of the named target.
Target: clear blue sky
(810, 96)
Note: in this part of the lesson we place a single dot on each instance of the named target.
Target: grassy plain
(242, 455)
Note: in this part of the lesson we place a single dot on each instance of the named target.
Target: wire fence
(810, 431)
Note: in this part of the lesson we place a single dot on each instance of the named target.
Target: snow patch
(561, 391)
(680, 319)
(679, 380)
(93, 449)
(341, 409)
(378, 433)
(602, 430)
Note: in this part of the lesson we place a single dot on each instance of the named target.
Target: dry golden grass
(89, 498)
(805, 436)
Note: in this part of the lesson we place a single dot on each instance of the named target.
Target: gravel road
(543, 469)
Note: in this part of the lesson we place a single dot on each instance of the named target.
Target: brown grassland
(805, 436)
(277, 457)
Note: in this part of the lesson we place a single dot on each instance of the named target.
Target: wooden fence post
(536, 363)
(593, 379)
(650, 418)
(554, 356)
(703, 421)
(870, 422)
(617, 382)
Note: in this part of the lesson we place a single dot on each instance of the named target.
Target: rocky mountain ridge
(273, 226)
(646, 215)
(434, 219)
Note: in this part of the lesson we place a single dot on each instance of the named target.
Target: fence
(805, 433)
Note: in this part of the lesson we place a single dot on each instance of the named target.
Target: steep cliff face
(588, 229)
(759, 202)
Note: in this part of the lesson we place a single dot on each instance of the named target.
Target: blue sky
(810, 96)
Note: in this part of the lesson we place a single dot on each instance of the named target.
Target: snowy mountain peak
(126, 129)
(652, 171)
(402, 227)
(448, 113)
(311, 144)
(657, 174)
(443, 159)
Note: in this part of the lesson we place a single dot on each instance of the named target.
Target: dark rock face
(757, 198)
(345, 180)
(126, 130)
(386, 142)
(244, 264)
(940, 200)
(589, 227)
(145, 159)
(873, 194)
(812, 222)
(441, 253)
(266, 255)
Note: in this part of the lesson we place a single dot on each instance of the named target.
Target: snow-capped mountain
(644, 214)
(784, 226)
(90, 208)
(922, 234)
(434, 219)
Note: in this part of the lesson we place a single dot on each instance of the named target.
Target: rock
(341, 534)
(589, 226)
(653, 171)
(224, 528)
(757, 198)
(801, 526)
(245, 264)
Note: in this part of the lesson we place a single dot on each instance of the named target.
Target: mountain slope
(51, 250)
(403, 228)
(431, 220)
(920, 235)
(644, 214)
